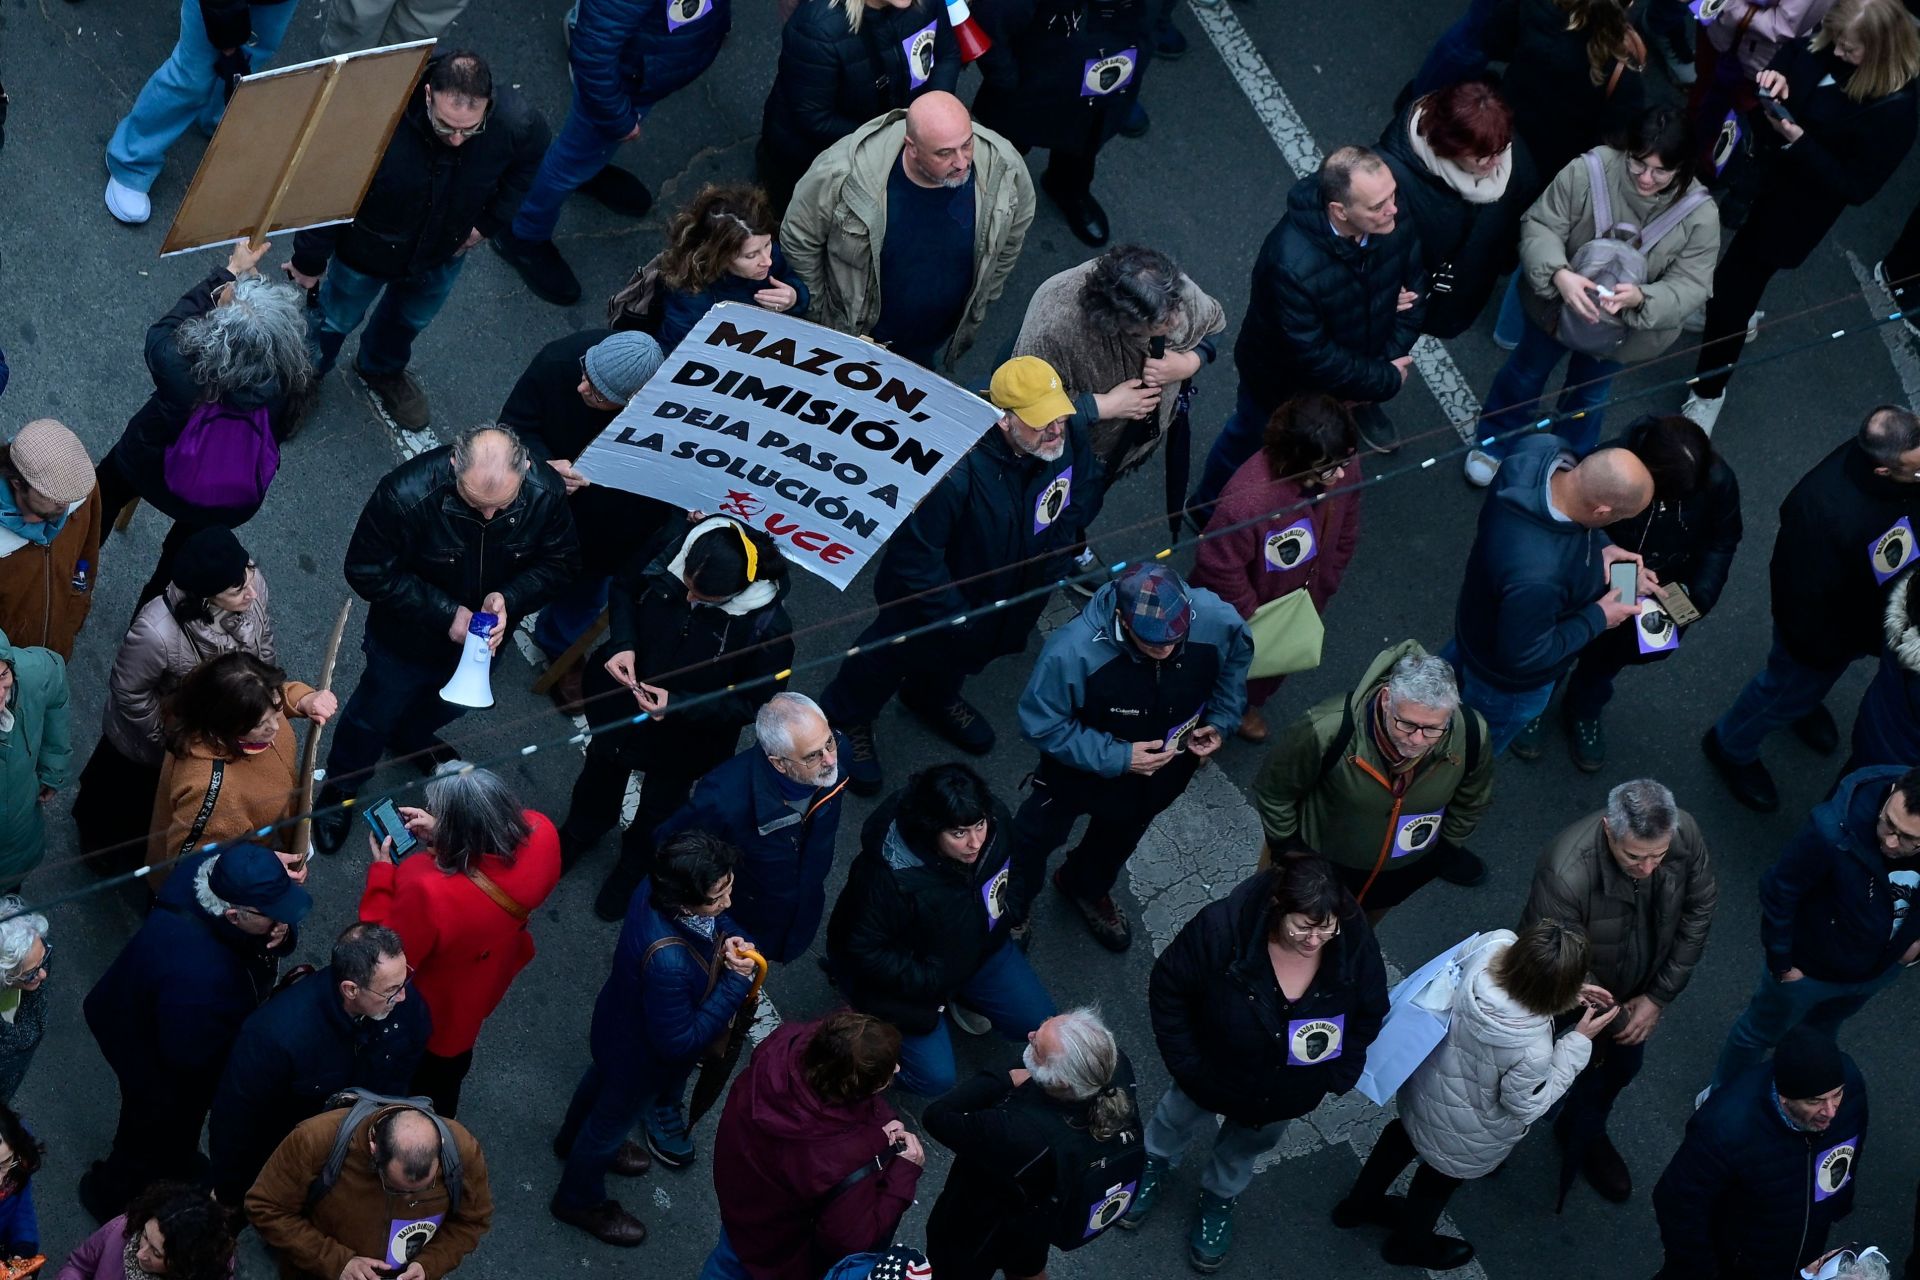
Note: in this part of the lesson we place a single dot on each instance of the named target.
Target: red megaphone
(972, 40)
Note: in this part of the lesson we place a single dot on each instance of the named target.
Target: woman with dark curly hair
(20, 1157)
(720, 248)
(170, 1230)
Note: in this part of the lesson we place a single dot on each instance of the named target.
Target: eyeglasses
(1909, 840)
(448, 131)
(1329, 930)
(814, 759)
(25, 976)
(1328, 472)
(1431, 732)
(388, 997)
(1640, 169)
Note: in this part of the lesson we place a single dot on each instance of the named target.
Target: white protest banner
(824, 441)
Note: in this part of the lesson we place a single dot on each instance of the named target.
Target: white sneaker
(129, 206)
(1704, 410)
(1700, 1098)
(974, 1024)
(1753, 325)
(1481, 468)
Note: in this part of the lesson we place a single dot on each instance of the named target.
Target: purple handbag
(224, 457)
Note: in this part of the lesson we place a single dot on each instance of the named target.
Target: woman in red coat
(1269, 536)
(460, 902)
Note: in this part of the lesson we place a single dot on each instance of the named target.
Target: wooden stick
(571, 658)
(310, 755)
(125, 518)
(309, 126)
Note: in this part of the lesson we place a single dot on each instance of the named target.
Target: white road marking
(1906, 363)
(1302, 154)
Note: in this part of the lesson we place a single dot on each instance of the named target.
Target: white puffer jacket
(1497, 1071)
(158, 652)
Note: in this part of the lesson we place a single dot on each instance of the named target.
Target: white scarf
(1470, 187)
(758, 595)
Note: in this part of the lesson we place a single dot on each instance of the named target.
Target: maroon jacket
(782, 1149)
(1234, 565)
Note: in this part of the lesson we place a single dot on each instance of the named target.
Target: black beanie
(1807, 1064)
(209, 562)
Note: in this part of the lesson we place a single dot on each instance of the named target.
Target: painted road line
(1899, 342)
(1302, 154)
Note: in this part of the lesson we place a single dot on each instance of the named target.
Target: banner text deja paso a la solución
(824, 441)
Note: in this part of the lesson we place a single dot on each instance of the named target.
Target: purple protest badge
(1833, 1168)
(919, 50)
(1108, 74)
(406, 1237)
(1312, 1041)
(1177, 736)
(1416, 832)
(1108, 1209)
(682, 12)
(1654, 629)
(1893, 550)
(994, 894)
(1053, 500)
(1291, 547)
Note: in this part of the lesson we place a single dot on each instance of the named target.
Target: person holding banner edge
(1006, 519)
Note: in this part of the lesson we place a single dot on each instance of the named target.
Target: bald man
(927, 205)
(1535, 590)
(468, 529)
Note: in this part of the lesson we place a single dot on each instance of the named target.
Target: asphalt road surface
(1265, 84)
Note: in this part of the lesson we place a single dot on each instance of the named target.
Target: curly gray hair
(19, 930)
(253, 344)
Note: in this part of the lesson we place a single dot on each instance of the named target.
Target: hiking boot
(606, 1222)
(1253, 726)
(860, 760)
(1817, 730)
(667, 1137)
(1607, 1172)
(540, 265)
(1587, 743)
(1105, 921)
(630, 1161)
(619, 191)
(401, 398)
(330, 827)
(1143, 1198)
(1528, 745)
(1750, 782)
(1212, 1234)
(1434, 1252)
(1463, 867)
(968, 1020)
(956, 721)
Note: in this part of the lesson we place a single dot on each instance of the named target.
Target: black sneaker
(957, 721)
(1169, 42)
(540, 265)
(1137, 122)
(1750, 782)
(1527, 745)
(1817, 730)
(861, 760)
(619, 191)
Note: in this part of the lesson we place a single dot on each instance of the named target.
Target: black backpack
(1094, 1180)
(362, 1103)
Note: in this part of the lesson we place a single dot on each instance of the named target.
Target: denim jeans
(1239, 439)
(1178, 1122)
(396, 705)
(566, 617)
(1512, 321)
(606, 1105)
(1517, 396)
(1778, 1007)
(1785, 690)
(723, 1263)
(185, 90)
(577, 153)
(1505, 711)
(1006, 990)
(406, 308)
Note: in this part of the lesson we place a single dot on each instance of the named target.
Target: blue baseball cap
(251, 875)
(1154, 604)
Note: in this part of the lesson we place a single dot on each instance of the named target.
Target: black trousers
(1121, 810)
(157, 1136)
(602, 787)
(117, 493)
(113, 808)
(1902, 265)
(1427, 1196)
(440, 1078)
(921, 670)
(1737, 287)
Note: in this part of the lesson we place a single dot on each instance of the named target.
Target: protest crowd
(772, 395)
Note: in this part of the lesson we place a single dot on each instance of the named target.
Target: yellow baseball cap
(1028, 386)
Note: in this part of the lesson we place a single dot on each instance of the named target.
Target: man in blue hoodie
(1836, 916)
(1535, 590)
(1124, 704)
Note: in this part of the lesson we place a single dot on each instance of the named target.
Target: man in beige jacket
(906, 229)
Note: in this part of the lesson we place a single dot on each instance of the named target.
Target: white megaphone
(472, 683)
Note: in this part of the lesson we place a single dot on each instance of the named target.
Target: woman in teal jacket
(36, 754)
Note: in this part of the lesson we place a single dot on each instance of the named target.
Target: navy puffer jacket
(627, 55)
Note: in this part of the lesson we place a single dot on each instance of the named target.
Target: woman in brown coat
(233, 762)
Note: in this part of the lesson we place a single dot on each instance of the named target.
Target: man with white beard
(358, 1023)
(778, 802)
(1005, 521)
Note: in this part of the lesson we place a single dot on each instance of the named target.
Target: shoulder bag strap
(501, 897)
(1636, 54)
(713, 968)
(206, 809)
(1681, 211)
(1602, 195)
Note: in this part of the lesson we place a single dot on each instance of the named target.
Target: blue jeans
(577, 153)
(397, 704)
(1505, 712)
(1238, 440)
(1785, 690)
(185, 90)
(605, 1107)
(1518, 393)
(1006, 990)
(1512, 321)
(723, 1263)
(566, 617)
(407, 307)
(1778, 1007)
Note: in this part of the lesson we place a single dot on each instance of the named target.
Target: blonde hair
(1892, 47)
(1610, 36)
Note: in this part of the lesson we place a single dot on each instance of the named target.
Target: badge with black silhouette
(1176, 739)
(1893, 550)
(1833, 1169)
(1289, 548)
(1654, 629)
(994, 894)
(1312, 1041)
(1108, 1209)
(919, 50)
(1109, 74)
(1053, 501)
(682, 12)
(406, 1237)
(1416, 832)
